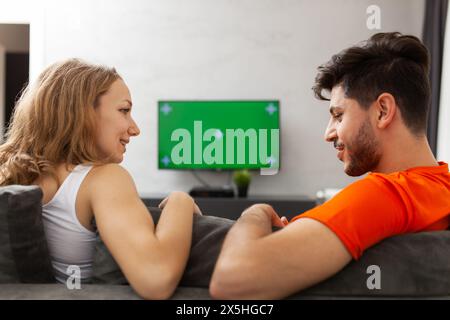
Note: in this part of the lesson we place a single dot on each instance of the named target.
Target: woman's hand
(165, 200)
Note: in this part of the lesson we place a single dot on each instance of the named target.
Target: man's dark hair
(387, 62)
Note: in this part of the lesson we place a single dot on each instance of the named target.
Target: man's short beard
(362, 151)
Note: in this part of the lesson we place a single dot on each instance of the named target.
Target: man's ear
(385, 108)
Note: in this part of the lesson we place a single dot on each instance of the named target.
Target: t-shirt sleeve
(362, 214)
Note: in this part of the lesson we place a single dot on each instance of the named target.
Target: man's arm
(255, 263)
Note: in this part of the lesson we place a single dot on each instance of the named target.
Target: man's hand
(196, 208)
(269, 212)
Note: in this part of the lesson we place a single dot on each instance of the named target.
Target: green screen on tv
(218, 134)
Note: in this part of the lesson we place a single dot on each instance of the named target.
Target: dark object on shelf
(212, 192)
(242, 179)
(242, 191)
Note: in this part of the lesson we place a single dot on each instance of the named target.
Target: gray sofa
(413, 266)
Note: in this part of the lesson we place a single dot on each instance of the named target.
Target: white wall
(31, 13)
(223, 49)
(14, 38)
(443, 147)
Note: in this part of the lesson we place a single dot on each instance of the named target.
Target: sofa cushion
(415, 264)
(207, 236)
(24, 255)
(410, 265)
(57, 291)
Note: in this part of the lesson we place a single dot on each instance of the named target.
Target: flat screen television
(218, 134)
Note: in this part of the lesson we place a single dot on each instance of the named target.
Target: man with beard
(379, 101)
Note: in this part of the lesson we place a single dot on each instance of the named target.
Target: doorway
(14, 68)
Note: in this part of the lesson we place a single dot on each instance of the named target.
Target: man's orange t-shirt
(383, 205)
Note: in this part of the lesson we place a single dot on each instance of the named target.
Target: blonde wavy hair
(54, 122)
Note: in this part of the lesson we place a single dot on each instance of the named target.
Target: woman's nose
(134, 129)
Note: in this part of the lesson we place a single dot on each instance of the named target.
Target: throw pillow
(24, 255)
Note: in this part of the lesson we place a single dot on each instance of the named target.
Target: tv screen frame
(272, 133)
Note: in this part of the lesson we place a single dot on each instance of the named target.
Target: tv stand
(231, 208)
(212, 192)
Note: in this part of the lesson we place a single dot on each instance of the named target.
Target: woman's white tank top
(70, 243)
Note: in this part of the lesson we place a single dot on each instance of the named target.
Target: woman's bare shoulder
(109, 176)
(109, 187)
(109, 168)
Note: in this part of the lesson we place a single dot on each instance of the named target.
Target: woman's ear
(385, 108)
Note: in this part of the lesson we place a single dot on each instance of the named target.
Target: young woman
(68, 135)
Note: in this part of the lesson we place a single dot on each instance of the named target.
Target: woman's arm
(152, 260)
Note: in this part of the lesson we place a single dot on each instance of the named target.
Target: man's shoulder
(371, 182)
(418, 178)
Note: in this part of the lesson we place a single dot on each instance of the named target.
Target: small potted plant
(242, 180)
